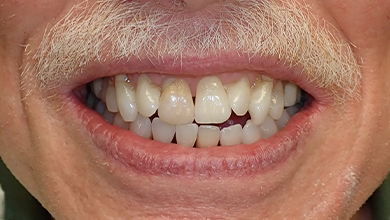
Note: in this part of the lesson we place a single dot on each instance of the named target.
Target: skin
(344, 161)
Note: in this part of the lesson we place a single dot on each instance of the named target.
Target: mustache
(125, 29)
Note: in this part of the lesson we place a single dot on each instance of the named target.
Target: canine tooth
(268, 127)
(176, 105)
(208, 136)
(260, 101)
(100, 107)
(283, 120)
(97, 86)
(141, 126)
(103, 91)
(111, 102)
(250, 133)
(108, 116)
(290, 94)
(118, 121)
(292, 110)
(277, 101)
(162, 131)
(231, 135)
(212, 104)
(125, 94)
(238, 94)
(186, 134)
(147, 96)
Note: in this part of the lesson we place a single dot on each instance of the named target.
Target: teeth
(292, 110)
(238, 94)
(208, 136)
(100, 107)
(290, 94)
(268, 127)
(103, 91)
(250, 133)
(277, 101)
(282, 121)
(112, 105)
(141, 126)
(97, 87)
(118, 121)
(125, 95)
(108, 116)
(211, 105)
(147, 96)
(260, 101)
(162, 132)
(176, 105)
(186, 134)
(231, 135)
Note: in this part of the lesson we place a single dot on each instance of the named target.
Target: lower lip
(146, 156)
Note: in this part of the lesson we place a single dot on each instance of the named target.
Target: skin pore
(54, 146)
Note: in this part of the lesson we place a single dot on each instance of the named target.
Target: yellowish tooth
(290, 94)
(111, 102)
(186, 134)
(277, 101)
(231, 135)
(162, 131)
(239, 94)
(250, 133)
(147, 96)
(208, 136)
(125, 94)
(142, 126)
(260, 101)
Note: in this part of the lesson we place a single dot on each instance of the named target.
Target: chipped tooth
(186, 134)
(283, 120)
(97, 87)
(176, 105)
(125, 95)
(277, 101)
(100, 107)
(141, 126)
(260, 101)
(103, 91)
(208, 136)
(111, 102)
(231, 135)
(238, 94)
(292, 110)
(212, 104)
(162, 131)
(147, 96)
(118, 121)
(268, 127)
(290, 94)
(250, 133)
(108, 116)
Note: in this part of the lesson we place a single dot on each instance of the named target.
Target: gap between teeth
(270, 105)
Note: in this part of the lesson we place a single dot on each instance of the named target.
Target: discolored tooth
(176, 105)
(118, 121)
(250, 133)
(103, 91)
(260, 101)
(97, 87)
(283, 120)
(231, 135)
(186, 134)
(141, 126)
(208, 136)
(162, 131)
(290, 94)
(147, 96)
(125, 95)
(238, 94)
(108, 116)
(277, 101)
(112, 104)
(268, 127)
(100, 107)
(292, 110)
(211, 104)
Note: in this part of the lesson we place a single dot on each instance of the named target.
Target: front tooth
(118, 121)
(112, 104)
(268, 127)
(231, 135)
(162, 132)
(176, 105)
(212, 104)
(186, 134)
(238, 94)
(290, 94)
(260, 101)
(208, 136)
(141, 126)
(277, 101)
(250, 133)
(147, 96)
(125, 94)
(283, 120)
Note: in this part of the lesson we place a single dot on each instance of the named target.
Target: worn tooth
(268, 127)
(231, 135)
(111, 102)
(108, 116)
(208, 136)
(125, 94)
(176, 105)
(186, 134)
(290, 94)
(100, 107)
(277, 101)
(97, 87)
(260, 101)
(162, 131)
(103, 91)
(250, 133)
(283, 120)
(141, 126)
(212, 104)
(292, 110)
(118, 121)
(238, 94)
(147, 96)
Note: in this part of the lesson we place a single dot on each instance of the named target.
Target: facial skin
(80, 167)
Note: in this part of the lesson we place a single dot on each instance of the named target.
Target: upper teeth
(264, 100)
